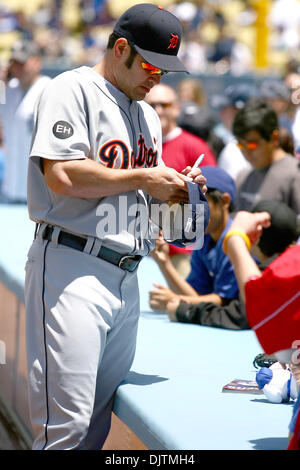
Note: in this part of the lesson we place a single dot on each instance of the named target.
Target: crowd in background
(219, 36)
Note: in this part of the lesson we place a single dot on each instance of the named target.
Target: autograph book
(242, 386)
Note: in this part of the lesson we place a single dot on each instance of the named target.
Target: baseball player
(94, 166)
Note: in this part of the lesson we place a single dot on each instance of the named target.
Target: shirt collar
(172, 135)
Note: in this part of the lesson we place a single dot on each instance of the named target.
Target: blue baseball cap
(263, 377)
(271, 89)
(217, 178)
(234, 95)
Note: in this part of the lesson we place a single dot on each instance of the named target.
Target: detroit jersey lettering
(82, 115)
(115, 154)
(119, 137)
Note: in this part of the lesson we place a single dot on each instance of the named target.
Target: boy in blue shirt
(211, 278)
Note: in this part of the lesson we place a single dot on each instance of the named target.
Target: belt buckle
(125, 258)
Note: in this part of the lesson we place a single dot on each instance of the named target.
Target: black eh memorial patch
(62, 130)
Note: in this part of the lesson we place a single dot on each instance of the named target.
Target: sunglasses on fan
(251, 145)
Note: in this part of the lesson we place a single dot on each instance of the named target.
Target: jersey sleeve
(61, 121)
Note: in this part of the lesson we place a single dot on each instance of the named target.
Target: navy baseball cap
(193, 226)
(187, 226)
(217, 178)
(155, 33)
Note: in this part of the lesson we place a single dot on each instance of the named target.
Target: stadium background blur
(221, 38)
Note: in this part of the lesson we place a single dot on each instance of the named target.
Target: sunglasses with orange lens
(248, 145)
(153, 70)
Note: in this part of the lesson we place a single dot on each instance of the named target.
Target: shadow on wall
(270, 443)
(135, 378)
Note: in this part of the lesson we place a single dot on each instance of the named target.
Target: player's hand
(166, 184)
(195, 176)
(251, 223)
(159, 297)
(161, 252)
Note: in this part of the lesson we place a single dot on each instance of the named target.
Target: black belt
(126, 262)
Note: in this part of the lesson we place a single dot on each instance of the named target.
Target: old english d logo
(173, 41)
(114, 151)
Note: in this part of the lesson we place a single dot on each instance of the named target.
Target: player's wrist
(139, 178)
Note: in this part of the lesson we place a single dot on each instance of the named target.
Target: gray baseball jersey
(82, 115)
(81, 311)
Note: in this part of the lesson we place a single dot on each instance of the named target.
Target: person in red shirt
(179, 150)
(272, 298)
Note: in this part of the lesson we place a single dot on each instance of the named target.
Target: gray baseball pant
(81, 325)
